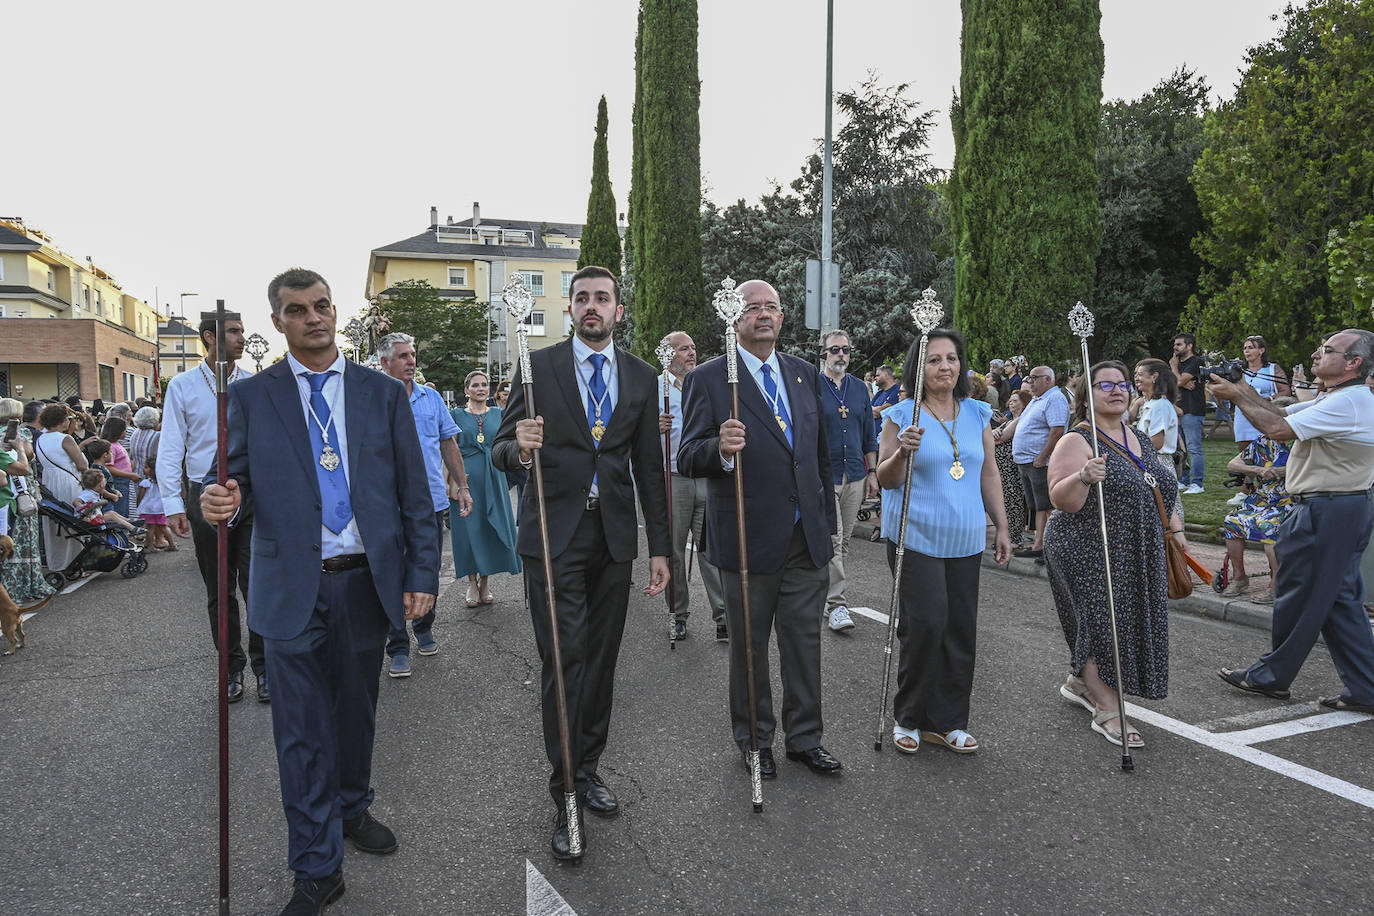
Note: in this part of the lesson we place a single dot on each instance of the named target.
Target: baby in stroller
(89, 503)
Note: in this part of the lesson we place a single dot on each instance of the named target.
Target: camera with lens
(1232, 370)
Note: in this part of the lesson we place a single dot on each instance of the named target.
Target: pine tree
(600, 237)
(669, 292)
(1025, 208)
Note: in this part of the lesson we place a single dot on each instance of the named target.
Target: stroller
(103, 547)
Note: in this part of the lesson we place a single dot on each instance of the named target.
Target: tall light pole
(826, 292)
(183, 328)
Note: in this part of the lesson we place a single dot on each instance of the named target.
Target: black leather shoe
(233, 691)
(680, 630)
(600, 799)
(311, 897)
(817, 758)
(370, 835)
(264, 695)
(559, 843)
(722, 633)
(768, 767)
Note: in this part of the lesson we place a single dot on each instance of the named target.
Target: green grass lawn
(1209, 507)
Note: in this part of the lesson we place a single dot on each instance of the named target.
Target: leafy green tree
(1285, 184)
(1024, 195)
(450, 337)
(667, 204)
(1146, 270)
(600, 237)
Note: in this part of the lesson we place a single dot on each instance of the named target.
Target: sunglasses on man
(837, 350)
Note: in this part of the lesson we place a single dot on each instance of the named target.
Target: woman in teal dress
(484, 541)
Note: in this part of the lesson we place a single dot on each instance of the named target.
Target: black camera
(1232, 370)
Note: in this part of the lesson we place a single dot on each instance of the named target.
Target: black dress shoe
(311, 897)
(233, 691)
(370, 835)
(680, 630)
(600, 799)
(264, 696)
(722, 633)
(559, 843)
(817, 758)
(768, 767)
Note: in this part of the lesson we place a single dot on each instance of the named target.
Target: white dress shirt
(349, 540)
(674, 408)
(190, 431)
(583, 364)
(755, 367)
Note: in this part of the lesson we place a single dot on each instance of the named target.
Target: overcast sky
(192, 147)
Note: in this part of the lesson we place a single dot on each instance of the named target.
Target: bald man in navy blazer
(789, 508)
(325, 455)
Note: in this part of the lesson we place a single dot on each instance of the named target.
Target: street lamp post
(183, 328)
(256, 347)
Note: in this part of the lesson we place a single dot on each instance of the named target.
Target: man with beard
(599, 419)
(689, 500)
(845, 408)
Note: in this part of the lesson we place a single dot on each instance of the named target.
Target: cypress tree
(600, 237)
(1024, 196)
(669, 289)
(629, 282)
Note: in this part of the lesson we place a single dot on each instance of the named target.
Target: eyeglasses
(1345, 353)
(1031, 378)
(1113, 386)
(768, 307)
(836, 351)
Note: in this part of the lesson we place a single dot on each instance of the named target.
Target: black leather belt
(1330, 494)
(344, 562)
(593, 503)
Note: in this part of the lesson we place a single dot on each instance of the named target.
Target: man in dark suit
(597, 426)
(364, 557)
(789, 520)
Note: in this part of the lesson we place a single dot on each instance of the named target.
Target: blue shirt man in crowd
(439, 445)
(1038, 428)
(889, 392)
(845, 411)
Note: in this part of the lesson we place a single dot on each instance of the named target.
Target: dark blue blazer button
(315, 547)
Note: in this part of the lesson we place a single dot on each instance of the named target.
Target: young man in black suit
(598, 417)
(790, 518)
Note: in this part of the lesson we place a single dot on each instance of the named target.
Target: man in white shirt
(1330, 472)
(188, 442)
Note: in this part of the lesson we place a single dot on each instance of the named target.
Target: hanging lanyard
(1125, 449)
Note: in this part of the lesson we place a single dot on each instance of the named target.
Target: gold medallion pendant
(782, 424)
(598, 430)
(481, 438)
(956, 470)
(329, 459)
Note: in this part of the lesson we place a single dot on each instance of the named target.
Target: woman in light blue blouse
(955, 488)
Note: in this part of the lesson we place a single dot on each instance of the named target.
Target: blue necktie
(770, 388)
(336, 507)
(596, 394)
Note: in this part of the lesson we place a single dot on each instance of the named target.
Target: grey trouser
(689, 514)
(848, 498)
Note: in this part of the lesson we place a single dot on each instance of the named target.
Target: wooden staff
(730, 306)
(519, 302)
(222, 584)
(664, 352)
(927, 313)
(1081, 323)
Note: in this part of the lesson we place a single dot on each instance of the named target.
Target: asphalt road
(109, 787)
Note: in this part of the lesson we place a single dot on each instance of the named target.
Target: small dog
(11, 614)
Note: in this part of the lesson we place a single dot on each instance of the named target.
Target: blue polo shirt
(434, 424)
(849, 436)
(884, 399)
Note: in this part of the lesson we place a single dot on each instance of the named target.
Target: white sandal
(1100, 720)
(958, 740)
(910, 734)
(1075, 690)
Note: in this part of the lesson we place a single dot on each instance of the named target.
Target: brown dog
(11, 614)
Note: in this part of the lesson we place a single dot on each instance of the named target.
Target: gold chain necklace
(205, 374)
(956, 470)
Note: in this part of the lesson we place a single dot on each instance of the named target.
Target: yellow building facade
(471, 261)
(105, 344)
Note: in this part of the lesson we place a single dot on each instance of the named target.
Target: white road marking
(1225, 744)
(80, 583)
(1260, 717)
(869, 613)
(1295, 727)
(540, 897)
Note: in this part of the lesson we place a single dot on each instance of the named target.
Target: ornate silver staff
(665, 352)
(222, 591)
(1081, 323)
(730, 306)
(927, 313)
(519, 302)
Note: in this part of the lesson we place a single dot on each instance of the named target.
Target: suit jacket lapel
(797, 395)
(357, 409)
(286, 399)
(565, 373)
(751, 398)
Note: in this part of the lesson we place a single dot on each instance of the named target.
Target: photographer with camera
(1192, 400)
(1330, 472)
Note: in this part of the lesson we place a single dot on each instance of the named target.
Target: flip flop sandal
(958, 741)
(1344, 705)
(1100, 720)
(1240, 680)
(900, 734)
(1075, 691)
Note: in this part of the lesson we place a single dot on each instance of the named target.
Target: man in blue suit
(363, 557)
(790, 517)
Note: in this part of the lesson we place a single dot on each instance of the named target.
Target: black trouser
(938, 629)
(206, 538)
(593, 591)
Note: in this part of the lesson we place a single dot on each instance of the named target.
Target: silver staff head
(1081, 321)
(517, 297)
(728, 303)
(665, 354)
(927, 312)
